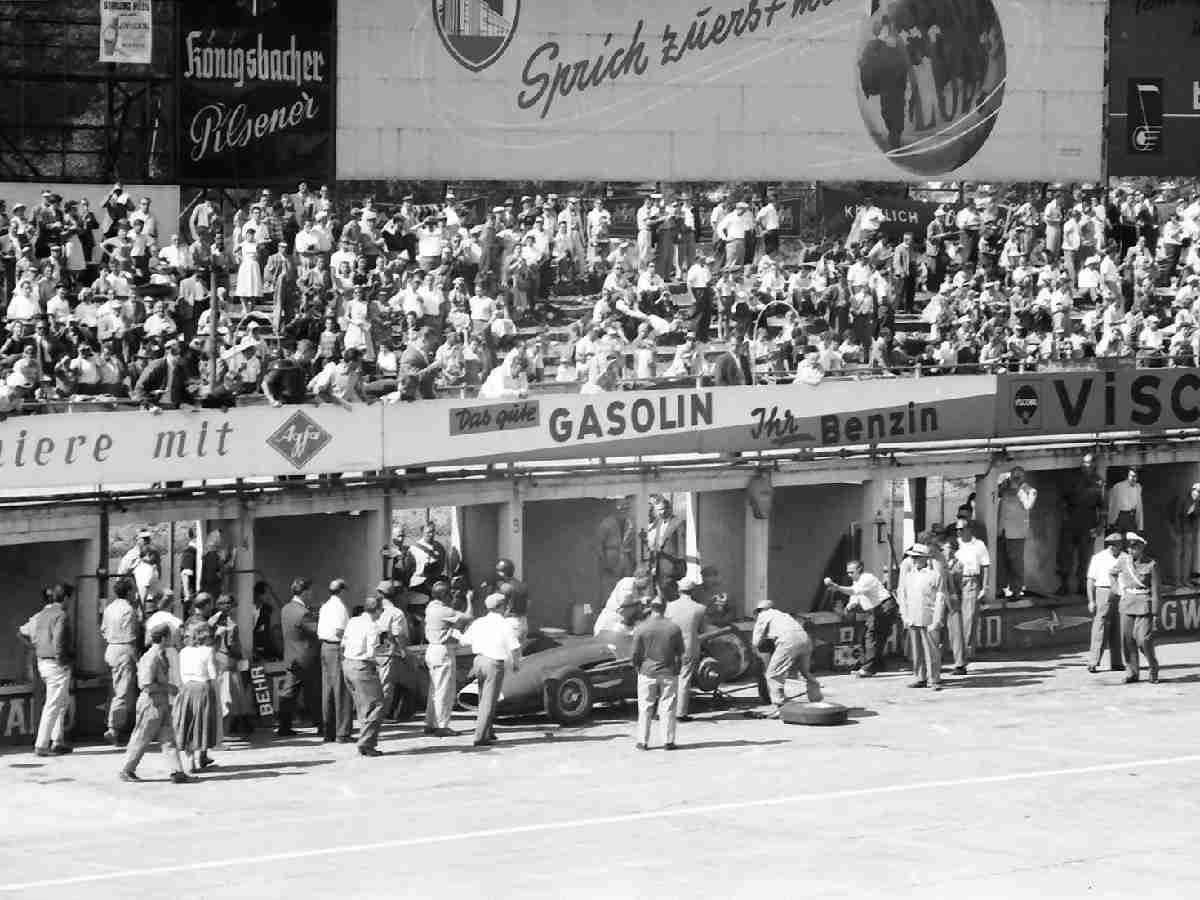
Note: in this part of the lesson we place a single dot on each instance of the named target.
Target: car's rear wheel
(569, 697)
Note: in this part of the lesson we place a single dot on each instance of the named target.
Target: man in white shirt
(1072, 240)
(733, 231)
(337, 710)
(494, 643)
(1103, 600)
(358, 665)
(1125, 512)
(768, 225)
(866, 592)
(148, 219)
(119, 628)
(699, 281)
(971, 562)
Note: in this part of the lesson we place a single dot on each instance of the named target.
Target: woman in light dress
(249, 286)
(197, 728)
(356, 324)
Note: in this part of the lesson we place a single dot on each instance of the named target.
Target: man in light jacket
(922, 599)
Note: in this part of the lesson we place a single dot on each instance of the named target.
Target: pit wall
(776, 539)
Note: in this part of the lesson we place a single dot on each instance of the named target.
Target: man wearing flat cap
(1103, 598)
(495, 646)
(785, 647)
(391, 649)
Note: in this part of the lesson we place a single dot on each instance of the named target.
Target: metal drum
(731, 653)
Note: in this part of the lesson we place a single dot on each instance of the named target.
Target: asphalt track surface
(1028, 776)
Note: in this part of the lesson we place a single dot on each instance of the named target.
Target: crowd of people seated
(349, 302)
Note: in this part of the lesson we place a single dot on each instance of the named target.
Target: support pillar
(987, 512)
(758, 549)
(241, 540)
(89, 607)
(510, 539)
(876, 553)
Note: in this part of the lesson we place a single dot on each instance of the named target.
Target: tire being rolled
(822, 713)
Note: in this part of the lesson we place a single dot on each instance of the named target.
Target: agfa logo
(476, 32)
(1027, 406)
(299, 439)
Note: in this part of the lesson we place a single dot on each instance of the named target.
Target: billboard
(1154, 89)
(1141, 400)
(134, 447)
(255, 92)
(901, 215)
(685, 90)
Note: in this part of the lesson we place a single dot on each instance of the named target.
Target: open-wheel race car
(567, 676)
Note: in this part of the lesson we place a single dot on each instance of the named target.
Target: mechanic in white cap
(786, 647)
(1140, 603)
(494, 642)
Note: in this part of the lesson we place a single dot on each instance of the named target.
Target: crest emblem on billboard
(476, 32)
(299, 439)
(1145, 116)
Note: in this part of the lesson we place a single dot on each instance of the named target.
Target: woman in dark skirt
(197, 728)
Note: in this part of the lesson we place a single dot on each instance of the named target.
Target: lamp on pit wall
(880, 528)
(759, 493)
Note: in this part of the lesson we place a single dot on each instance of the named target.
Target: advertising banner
(86, 449)
(256, 92)
(685, 90)
(1154, 88)
(126, 31)
(839, 209)
(1143, 400)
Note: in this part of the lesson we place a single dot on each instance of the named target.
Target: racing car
(566, 677)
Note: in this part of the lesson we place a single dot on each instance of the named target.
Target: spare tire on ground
(822, 713)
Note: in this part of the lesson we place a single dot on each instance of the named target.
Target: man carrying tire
(786, 644)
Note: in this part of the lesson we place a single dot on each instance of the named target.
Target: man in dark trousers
(657, 658)
(301, 659)
(495, 646)
(1082, 509)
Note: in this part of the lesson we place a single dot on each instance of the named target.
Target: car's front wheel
(569, 697)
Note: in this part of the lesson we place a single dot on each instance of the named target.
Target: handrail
(853, 372)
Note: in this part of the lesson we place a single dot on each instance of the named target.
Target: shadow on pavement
(857, 712)
(713, 745)
(545, 738)
(221, 769)
(990, 681)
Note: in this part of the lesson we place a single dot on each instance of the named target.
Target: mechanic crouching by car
(495, 643)
(785, 646)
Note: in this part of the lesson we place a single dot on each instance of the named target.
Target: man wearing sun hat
(921, 596)
(1103, 598)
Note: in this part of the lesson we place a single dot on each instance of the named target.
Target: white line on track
(599, 821)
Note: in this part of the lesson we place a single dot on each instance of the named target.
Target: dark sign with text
(1092, 402)
(900, 215)
(256, 92)
(1154, 88)
(496, 417)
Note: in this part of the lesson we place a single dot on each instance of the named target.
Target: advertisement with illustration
(686, 90)
(256, 92)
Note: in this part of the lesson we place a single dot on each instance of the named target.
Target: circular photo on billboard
(930, 80)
